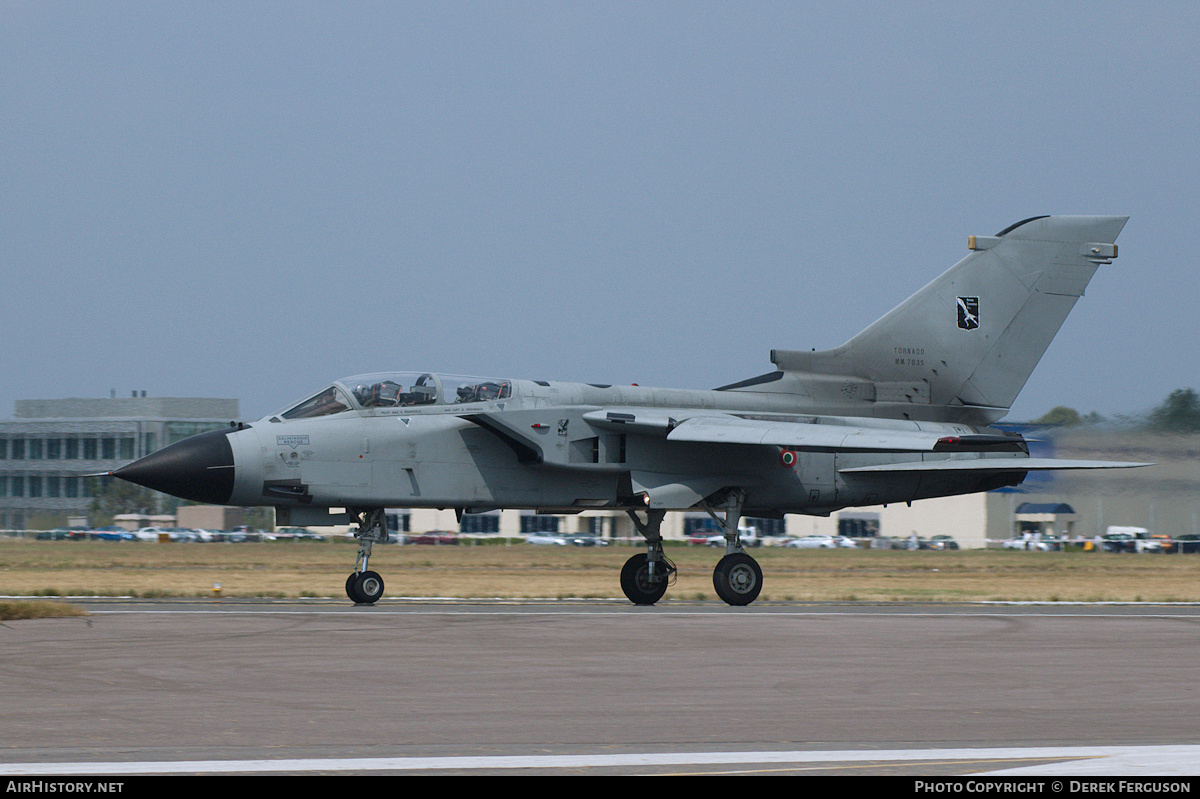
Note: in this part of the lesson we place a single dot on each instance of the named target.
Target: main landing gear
(363, 586)
(645, 577)
(737, 578)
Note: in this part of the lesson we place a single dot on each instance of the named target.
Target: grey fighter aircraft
(898, 413)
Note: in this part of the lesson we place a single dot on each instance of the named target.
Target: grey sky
(250, 199)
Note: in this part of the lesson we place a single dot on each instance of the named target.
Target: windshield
(331, 400)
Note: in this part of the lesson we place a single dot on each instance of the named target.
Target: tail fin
(968, 341)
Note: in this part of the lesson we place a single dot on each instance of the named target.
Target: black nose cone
(199, 468)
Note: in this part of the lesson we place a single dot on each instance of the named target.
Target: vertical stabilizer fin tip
(1016, 225)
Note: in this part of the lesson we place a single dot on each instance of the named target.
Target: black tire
(350, 587)
(368, 588)
(636, 583)
(737, 579)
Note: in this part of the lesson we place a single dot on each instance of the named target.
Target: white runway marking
(1138, 761)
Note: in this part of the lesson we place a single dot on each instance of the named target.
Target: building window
(127, 449)
(480, 524)
(35, 449)
(177, 431)
(54, 487)
(18, 449)
(35, 486)
(538, 524)
(603, 526)
(858, 525)
(70, 487)
(89, 449)
(72, 449)
(699, 525)
(767, 527)
(3, 449)
(53, 449)
(108, 449)
(17, 485)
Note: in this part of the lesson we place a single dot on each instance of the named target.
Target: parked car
(818, 541)
(115, 534)
(941, 542)
(1118, 542)
(588, 540)
(1124, 538)
(1166, 544)
(1188, 542)
(297, 534)
(435, 537)
(187, 534)
(547, 539)
(1031, 544)
(748, 536)
(1152, 544)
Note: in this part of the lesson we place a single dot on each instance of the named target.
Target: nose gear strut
(363, 586)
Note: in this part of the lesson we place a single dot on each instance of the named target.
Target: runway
(574, 687)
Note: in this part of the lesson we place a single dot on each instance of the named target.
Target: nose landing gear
(365, 587)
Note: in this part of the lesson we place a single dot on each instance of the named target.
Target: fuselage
(428, 440)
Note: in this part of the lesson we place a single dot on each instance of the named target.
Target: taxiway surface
(599, 687)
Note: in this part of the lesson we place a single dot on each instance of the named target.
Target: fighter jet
(899, 413)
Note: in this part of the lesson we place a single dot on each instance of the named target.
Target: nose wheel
(365, 588)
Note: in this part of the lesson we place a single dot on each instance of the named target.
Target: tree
(1061, 416)
(111, 497)
(1179, 412)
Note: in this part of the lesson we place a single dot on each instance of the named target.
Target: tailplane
(962, 348)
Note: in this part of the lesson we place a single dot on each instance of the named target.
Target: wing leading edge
(799, 433)
(824, 437)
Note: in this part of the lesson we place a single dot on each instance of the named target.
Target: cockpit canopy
(398, 390)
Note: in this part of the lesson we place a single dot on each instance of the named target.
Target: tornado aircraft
(899, 413)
